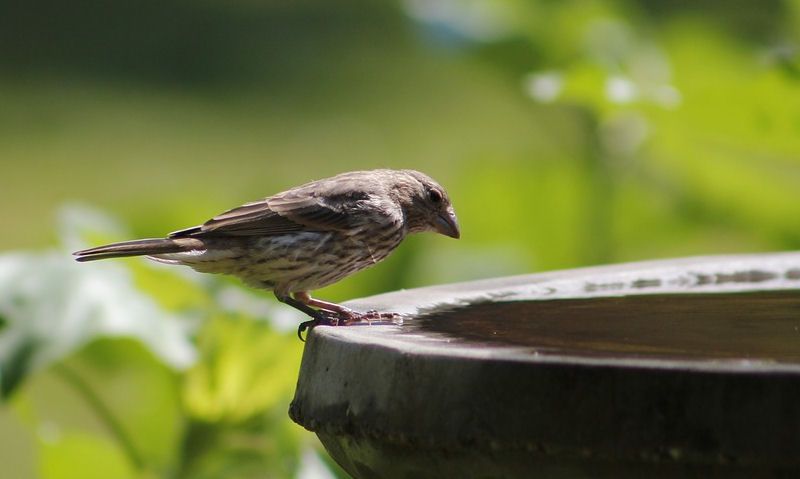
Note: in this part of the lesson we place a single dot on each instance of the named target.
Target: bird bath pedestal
(678, 368)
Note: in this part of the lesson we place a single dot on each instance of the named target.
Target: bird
(306, 237)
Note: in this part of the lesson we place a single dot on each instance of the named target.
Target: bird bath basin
(674, 368)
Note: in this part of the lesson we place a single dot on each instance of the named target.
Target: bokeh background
(568, 133)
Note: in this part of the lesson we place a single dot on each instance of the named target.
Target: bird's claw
(305, 325)
(322, 317)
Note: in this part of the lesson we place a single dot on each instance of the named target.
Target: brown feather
(316, 206)
(138, 248)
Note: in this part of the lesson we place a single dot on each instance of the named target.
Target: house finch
(306, 237)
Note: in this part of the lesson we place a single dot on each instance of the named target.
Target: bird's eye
(434, 196)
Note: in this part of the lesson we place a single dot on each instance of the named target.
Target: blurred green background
(567, 133)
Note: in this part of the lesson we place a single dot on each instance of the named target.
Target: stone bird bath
(676, 368)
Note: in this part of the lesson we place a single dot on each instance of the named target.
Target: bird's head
(426, 205)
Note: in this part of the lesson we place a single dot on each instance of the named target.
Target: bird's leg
(320, 317)
(331, 314)
(346, 314)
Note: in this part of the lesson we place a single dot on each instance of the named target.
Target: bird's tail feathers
(143, 247)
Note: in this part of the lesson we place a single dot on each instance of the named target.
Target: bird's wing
(301, 209)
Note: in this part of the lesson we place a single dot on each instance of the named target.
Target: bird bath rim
(704, 275)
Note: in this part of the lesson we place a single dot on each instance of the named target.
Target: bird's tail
(139, 248)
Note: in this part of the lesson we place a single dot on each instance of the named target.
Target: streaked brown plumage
(306, 237)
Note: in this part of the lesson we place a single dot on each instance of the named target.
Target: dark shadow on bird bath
(676, 368)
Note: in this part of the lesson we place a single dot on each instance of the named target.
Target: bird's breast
(299, 261)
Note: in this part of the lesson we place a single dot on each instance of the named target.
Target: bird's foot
(382, 317)
(349, 318)
(322, 317)
(353, 318)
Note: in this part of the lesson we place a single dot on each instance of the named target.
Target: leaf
(137, 391)
(82, 455)
(53, 305)
(15, 368)
(246, 367)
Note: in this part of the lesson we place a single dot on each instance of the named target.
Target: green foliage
(148, 394)
(246, 367)
(83, 455)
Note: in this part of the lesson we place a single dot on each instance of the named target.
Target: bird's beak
(447, 224)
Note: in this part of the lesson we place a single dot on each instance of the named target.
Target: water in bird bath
(752, 326)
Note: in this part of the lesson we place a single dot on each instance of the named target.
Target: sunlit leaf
(85, 456)
(245, 368)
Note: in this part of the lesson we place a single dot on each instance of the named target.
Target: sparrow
(306, 237)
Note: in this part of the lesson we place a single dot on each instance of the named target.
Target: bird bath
(665, 368)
